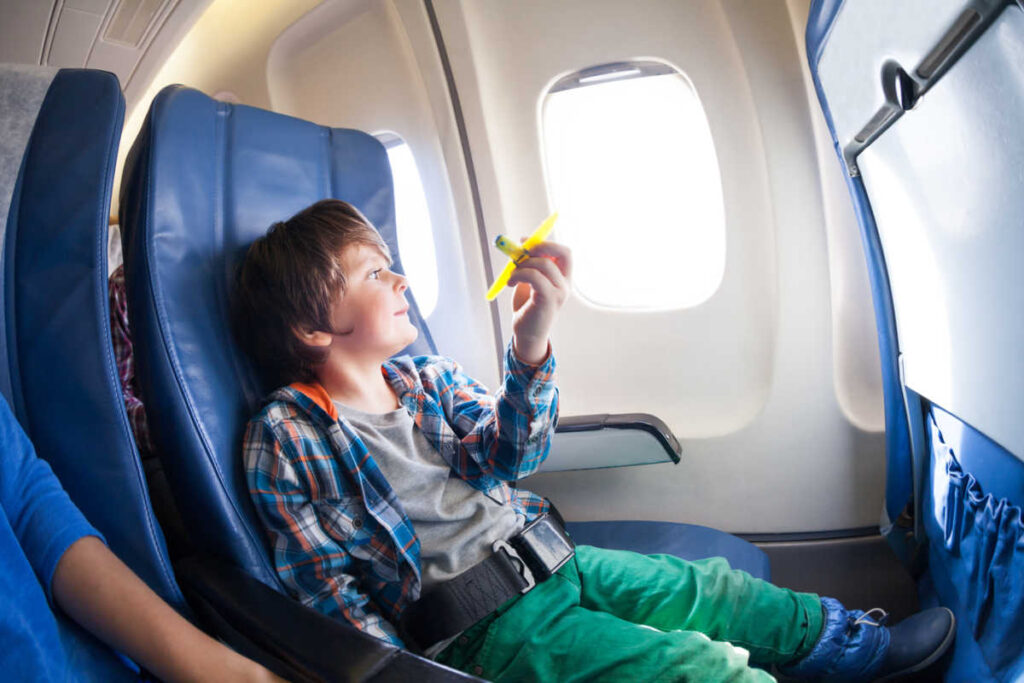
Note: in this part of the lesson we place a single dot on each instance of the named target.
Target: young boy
(385, 482)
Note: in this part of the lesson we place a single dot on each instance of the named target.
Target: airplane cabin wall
(772, 385)
(748, 380)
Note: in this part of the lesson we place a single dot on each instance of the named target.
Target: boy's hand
(542, 286)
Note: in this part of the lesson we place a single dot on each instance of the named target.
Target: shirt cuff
(531, 380)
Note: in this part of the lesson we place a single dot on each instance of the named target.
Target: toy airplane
(518, 252)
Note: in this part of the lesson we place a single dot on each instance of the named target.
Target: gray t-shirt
(456, 523)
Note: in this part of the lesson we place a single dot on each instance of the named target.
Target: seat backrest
(923, 100)
(58, 372)
(203, 180)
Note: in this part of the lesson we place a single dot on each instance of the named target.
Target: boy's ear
(312, 337)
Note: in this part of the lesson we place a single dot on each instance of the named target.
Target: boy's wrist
(531, 352)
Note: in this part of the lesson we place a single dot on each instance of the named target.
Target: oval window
(413, 224)
(632, 170)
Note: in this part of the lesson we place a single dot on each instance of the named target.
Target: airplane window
(632, 170)
(412, 216)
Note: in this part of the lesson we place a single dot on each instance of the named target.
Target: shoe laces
(876, 616)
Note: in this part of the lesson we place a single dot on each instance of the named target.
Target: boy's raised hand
(542, 286)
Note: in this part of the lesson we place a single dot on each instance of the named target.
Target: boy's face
(371, 318)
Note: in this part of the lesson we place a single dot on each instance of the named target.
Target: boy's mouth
(402, 311)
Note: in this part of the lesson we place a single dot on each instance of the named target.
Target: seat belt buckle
(518, 563)
(545, 547)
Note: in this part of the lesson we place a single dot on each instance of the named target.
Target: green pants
(611, 615)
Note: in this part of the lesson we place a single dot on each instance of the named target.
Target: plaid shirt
(121, 335)
(342, 543)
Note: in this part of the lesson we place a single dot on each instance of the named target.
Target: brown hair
(288, 280)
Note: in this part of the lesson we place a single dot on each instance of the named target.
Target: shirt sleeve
(506, 435)
(45, 521)
(311, 561)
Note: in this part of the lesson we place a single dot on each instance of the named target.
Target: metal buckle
(545, 546)
(517, 562)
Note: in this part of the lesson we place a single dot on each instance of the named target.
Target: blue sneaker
(858, 646)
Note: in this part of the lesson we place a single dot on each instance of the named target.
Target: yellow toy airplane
(518, 252)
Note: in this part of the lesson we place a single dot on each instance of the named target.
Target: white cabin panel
(748, 380)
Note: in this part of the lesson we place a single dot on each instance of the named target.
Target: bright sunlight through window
(633, 173)
(415, 232)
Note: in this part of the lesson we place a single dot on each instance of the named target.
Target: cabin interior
(795, 325)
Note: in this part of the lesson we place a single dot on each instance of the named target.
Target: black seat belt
(513, 569)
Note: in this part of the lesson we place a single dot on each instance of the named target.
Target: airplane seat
(922, 100)
(202, 181)
(57, 156)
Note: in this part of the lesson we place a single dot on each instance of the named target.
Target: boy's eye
(375, 274)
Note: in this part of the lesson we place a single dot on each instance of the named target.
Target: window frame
(616, 72)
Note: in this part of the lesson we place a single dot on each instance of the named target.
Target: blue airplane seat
(203, 180)
(688, 541)
(922, 99)
(61, 131)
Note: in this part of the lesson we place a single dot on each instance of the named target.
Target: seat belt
(513, 569)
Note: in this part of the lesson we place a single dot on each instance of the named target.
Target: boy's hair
(288, 281)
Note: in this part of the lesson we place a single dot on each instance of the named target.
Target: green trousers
(611, 615)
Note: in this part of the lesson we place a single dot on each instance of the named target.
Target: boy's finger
(560, 253)
(542, 286)
(548, 268)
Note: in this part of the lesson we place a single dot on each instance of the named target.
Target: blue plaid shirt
(341, 541)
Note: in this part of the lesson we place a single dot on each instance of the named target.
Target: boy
(384, 482)
(50, 552)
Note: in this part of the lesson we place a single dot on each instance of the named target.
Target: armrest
(294, 641)
(599, 441)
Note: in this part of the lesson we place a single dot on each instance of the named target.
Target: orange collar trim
(318, 395)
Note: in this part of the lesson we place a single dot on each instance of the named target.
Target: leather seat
(61, 131)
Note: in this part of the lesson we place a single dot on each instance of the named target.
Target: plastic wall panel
(746, 380)
(945, 185)
(719, 374)
(855, 352)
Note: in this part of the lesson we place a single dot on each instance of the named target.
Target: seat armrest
(294, 641)
(610, 440)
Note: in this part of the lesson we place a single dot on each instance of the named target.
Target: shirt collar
(401, 382)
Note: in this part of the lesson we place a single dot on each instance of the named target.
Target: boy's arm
(99, 592)
(506, 435)
(310, 560)
(542, 286)
(510, 435)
